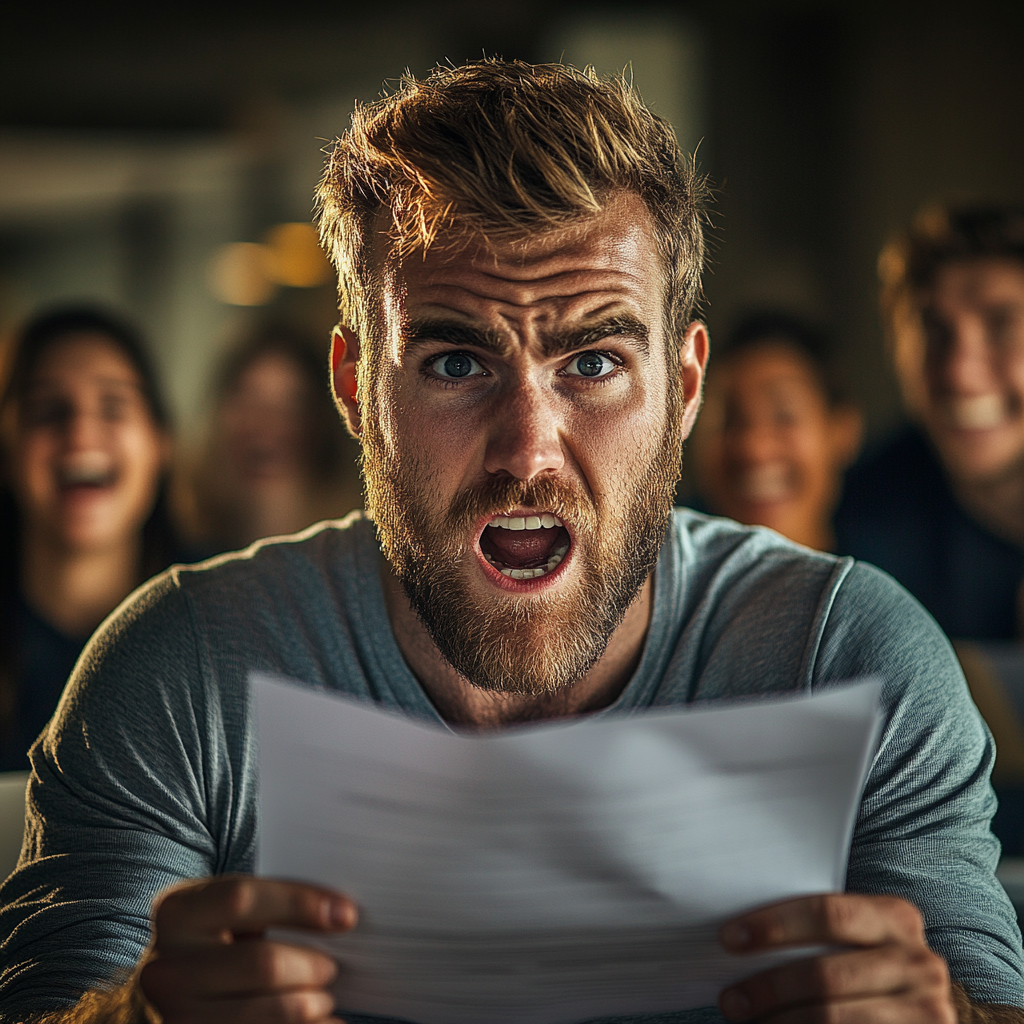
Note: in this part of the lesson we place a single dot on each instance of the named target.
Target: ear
(344, 357)
(847, 430)
(696, 345)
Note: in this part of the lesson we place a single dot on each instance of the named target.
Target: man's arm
(882, 970)
(210, 964)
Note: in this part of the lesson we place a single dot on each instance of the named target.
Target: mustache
(502, 494)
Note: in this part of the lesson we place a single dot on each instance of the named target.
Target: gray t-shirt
(146, 774)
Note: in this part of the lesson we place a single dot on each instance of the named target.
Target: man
(519, 252)
(941, 506)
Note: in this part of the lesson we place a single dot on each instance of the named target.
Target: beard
(542, 643)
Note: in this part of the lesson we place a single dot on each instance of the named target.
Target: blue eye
(455, 365)
(590, 364)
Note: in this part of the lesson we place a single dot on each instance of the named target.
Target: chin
(978, 456)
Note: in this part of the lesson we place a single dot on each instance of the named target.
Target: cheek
(1012, 375)
(809, 449)
(32, 467)
(140, 453)
(614, 439)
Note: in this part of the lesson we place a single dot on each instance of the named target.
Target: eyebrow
(453, 332)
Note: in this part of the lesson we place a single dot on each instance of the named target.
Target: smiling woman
(86, 449)
(776, 434)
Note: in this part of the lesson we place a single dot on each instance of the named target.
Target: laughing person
(941, 505)
(84, 519)
(519, 251)
(776, 432)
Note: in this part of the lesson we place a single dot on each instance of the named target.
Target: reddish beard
(523, 645)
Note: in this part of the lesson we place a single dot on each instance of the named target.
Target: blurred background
(153, 158)
(160, 161)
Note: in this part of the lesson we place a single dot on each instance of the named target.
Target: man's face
(973, 395)
(522, 437)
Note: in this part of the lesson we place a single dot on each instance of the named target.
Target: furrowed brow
(452, 332)
(588, 337)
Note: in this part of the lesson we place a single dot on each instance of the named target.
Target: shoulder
(737, 609)
(195, 625)
(721, 563)
(294, 560)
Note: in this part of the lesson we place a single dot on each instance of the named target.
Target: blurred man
(775, 434)
(941, 506)
(519, 250)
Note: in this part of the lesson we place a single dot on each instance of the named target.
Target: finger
(880, 971)
(248, 968)
(828, 919)
(902, 1009)
(286, 1008)
(213, 911)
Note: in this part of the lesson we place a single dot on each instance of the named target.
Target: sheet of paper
(561, 872)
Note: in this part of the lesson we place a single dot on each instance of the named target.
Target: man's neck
(461, 703)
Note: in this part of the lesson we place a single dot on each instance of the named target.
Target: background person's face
(972, 398)
(520, 384)
(769, 450)
(88, 455)
(264, 423)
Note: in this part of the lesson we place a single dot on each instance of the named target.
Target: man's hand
(210, 963)
(889, 974)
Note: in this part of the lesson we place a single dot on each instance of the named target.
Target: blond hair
(503, 149)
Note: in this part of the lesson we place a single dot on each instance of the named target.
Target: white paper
(555, 873)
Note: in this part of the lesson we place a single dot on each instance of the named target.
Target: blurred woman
(277, 458)
(86, 452)
(775, 435)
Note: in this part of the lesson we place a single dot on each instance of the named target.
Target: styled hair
(503, 149)
(809, 342)
(909, 263)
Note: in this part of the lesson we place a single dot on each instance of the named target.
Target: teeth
(981, 412)
(542, 522)
(765, 483)
(531, 574)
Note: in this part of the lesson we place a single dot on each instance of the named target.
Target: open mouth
(86, 474)
(980, 412)
(525, 547)
(764, 484)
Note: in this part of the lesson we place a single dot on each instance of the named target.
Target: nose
(967, 367)
(751, 442)
(524, 438)
(83, 430)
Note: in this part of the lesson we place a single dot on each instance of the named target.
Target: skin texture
(209, 959)
(84, 413)
(770, 448)
(527, 416)
(960, 355)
